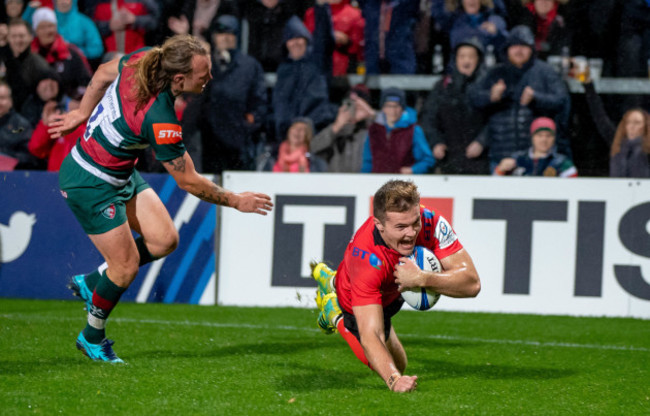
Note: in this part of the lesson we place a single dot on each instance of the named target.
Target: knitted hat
(43, 14)
(393, 94)
(521, 35)
(542, 123)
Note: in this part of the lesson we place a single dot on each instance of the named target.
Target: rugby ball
(423, 299)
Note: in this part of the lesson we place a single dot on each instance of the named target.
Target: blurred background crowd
(281, 98)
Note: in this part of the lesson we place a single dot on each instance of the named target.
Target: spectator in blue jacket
(388, 35)
(395, 143)
(75, 27)
(471, 18)
(234, 102)
(514, 93)
(301, 86)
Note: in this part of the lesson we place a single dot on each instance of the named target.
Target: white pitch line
(296, 328)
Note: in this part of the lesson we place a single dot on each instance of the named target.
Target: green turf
(189, 360)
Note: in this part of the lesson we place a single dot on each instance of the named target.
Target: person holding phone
(341, 143)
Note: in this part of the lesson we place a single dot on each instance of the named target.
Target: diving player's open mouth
(407, 244)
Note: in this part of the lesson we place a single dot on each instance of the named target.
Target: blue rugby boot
(98, 352)
(79, 288)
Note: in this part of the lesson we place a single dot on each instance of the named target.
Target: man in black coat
(451, 124)
(234, 103)
(266, 21)
(634, 40)
(301, 87)
(514, 93)
(24, 68)
(15, 132)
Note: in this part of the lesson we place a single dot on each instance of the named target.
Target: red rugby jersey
(365, 276)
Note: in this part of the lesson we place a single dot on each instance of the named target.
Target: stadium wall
(541, 245)
(42, 244)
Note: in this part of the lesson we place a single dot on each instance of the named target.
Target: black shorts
(350, 322)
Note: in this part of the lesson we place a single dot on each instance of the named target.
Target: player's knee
(171, 242)
(131, 266)
(123, 272)
(165, 244)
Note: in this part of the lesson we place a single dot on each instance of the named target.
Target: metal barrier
(426, 82)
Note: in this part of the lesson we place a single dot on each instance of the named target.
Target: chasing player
(365, 290)
(132, 105)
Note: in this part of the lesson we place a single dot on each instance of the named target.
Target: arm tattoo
(216, 195)
(177, 164)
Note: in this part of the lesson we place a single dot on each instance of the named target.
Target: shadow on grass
(446, 369)
(45, 365)
(262, 347)
(308, 379)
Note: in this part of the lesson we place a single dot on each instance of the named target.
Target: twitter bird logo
(15, 237)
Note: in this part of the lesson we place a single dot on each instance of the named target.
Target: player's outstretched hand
(253, 202)
(407, 274)
(405, 384)
(63, 124)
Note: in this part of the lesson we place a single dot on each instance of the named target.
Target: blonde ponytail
(155, 70)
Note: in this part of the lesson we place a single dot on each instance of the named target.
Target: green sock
(105, 297)
(145, 258)
(92, 279)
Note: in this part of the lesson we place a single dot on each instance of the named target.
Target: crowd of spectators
(504, 68)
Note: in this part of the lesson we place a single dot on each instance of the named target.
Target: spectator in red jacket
(53, 150)
(348, 27)
(65, 58)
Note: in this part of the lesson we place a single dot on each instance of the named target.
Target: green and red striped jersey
(116, 132)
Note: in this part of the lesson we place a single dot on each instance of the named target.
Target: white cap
(43, 14)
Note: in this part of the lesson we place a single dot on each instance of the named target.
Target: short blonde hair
(394, 196)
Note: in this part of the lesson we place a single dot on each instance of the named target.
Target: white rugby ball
(423, 299)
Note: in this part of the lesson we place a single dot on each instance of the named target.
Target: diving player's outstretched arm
(187, 178)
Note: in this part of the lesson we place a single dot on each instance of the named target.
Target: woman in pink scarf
(293, 153)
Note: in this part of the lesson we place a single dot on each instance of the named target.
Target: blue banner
(42, 244)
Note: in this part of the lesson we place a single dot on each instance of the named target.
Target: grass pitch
(191, 360)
